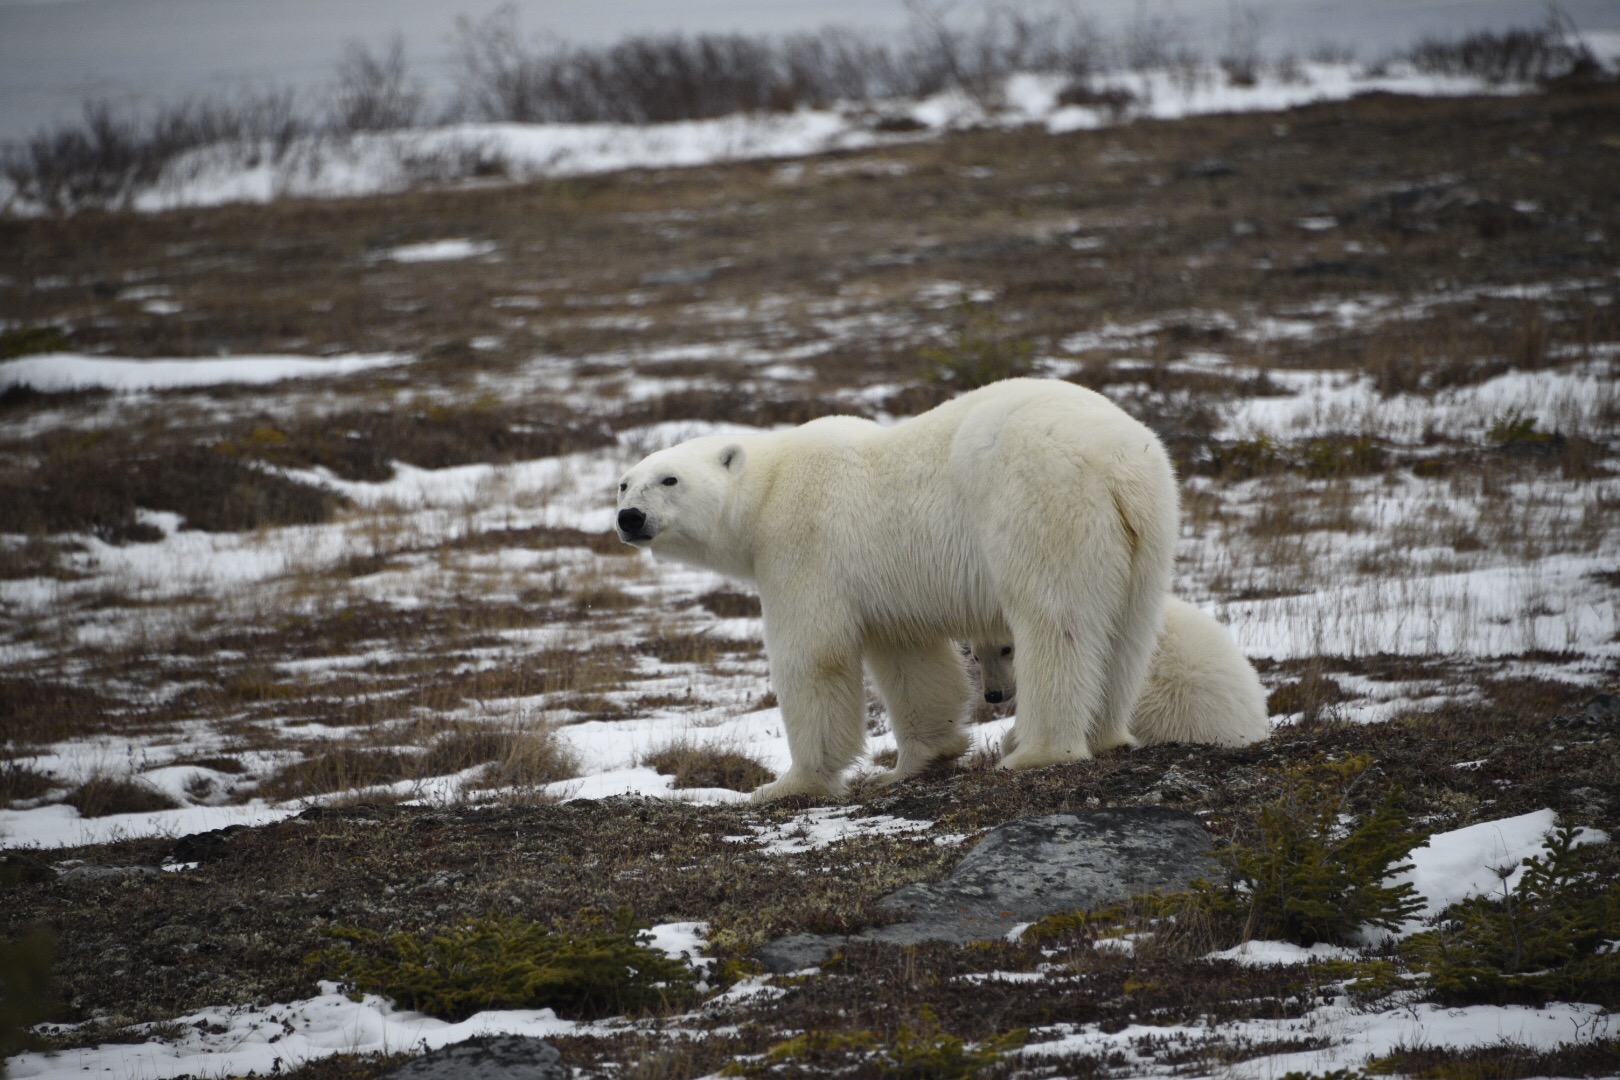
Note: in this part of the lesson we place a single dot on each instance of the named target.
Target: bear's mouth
(638, 538)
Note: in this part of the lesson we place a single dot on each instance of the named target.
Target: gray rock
(795, 952)
(1027, 869)
(107, 873)
(488, 1057)
(1602, 709)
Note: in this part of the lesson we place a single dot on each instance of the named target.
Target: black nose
(994, 696)
(631, 520)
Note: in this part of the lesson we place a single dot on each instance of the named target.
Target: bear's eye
(670, 481)
(623, 486)
(1006, 650)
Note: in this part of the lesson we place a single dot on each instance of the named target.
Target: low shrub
(1500, 1061)
(1536, 55)
(499, 962)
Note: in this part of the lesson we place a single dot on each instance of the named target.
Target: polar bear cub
(1200, 687)
(1030, 506)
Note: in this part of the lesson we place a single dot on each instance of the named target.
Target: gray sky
(56, 53)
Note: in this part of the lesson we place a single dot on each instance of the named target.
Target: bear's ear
(732, 457)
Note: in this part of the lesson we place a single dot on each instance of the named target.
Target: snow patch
(55, 372)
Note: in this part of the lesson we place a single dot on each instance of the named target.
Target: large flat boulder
(1027, 869)
(488, 1057)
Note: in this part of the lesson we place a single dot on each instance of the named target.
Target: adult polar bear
(1200, 687)
(1032, 506)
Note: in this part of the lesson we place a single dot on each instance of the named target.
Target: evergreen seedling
(511, 963)
(1310, 873)
(1555, 936)
(981, 353)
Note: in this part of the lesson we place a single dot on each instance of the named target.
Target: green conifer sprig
(1557, 935)
(1308, 872)
(499, 962)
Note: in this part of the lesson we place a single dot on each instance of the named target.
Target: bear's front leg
(817, 679)
(928, 696)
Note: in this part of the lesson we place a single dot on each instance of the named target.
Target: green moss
(1552, 937)
(510, 963)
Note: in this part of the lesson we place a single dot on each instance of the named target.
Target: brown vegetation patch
(102, 795)
(18, 782)
(364, 445)
(1313, 692)
(95, 486)
(35, 557)
(543, 536)
(754, 407)
(35, 711)
(339, 769)
(695, 766)
(730, 604)
(1502, 1061)
(527, 755)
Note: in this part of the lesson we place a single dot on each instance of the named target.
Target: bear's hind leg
(927, 693)
(824, 715)
(1060, 691)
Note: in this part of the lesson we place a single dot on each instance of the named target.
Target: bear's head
(995, 670)
(674, 502)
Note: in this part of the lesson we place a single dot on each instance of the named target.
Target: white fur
(1029, 506)
(1200, 687)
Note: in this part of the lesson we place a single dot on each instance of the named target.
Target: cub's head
(996, 670)
(674, 501)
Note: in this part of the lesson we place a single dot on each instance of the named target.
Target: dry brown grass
(527, 756)
(102, 795)
(18, 782)
(95, 484)
(338, 769)
(696, 766)
(35, 710)
(363, 445)
(730, 604)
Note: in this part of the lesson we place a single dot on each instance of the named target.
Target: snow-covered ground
(1334, 592)
(53, 372)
